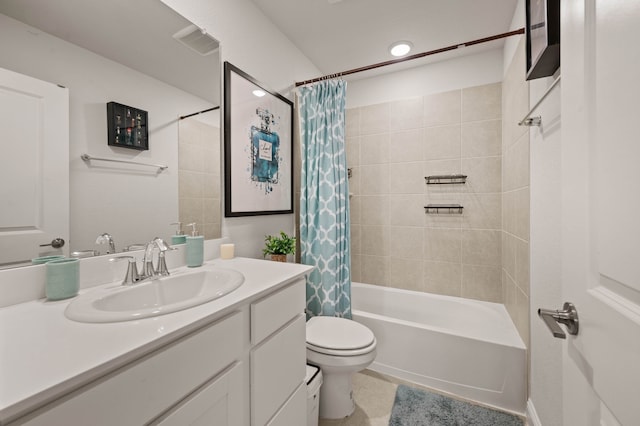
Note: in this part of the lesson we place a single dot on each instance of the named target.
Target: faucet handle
(162, 265)
(132, 276)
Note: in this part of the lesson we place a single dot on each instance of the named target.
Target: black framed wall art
(258, 147)
(543, 37)
(127, 127)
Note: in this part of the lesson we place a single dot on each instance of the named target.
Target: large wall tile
(482, 283)
(480, 247)
(406, 210)
(406, 242)
(482, 211)
(481, 138)
(442, 244)
(374, 149)
(482, 102)
(375, 119)
(407, 114)
(442, 108)
(442, 142)
(374, 179)
(406, 146)
(443, 278)
(406, 274)
(352, 146)
(374, 269)
(374, 240)
(522, 265)
(483, 174)
(374, 210)
(406, 178)
(352, 122)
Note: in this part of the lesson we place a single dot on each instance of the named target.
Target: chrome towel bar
(87, 157)
(536, 121)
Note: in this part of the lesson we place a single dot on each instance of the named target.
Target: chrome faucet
(106, 238)
(149, 272)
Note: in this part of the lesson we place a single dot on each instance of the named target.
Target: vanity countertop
(44, 355)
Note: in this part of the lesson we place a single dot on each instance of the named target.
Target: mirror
(141, 54)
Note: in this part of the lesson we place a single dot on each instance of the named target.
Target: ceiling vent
(197, 39)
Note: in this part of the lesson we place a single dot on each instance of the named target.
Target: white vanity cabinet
(141, 391)
(241, 362)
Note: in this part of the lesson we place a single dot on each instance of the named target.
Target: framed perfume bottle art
(127, 126)
(258, 160)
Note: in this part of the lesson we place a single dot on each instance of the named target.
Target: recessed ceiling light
(400, 48)
(259, 93)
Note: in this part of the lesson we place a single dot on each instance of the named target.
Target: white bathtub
(464, 347)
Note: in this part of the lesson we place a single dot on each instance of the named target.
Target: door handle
(567, 316)
(55, 243)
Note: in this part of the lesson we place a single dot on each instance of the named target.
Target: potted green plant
(279, 246)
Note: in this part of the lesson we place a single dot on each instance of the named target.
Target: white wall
(545, 384)
(251, 42)
(545, 352)
(442, 76)
(134, 204)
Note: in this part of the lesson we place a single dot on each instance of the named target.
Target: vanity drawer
(274, 311)
(278, 367)
(140, 391)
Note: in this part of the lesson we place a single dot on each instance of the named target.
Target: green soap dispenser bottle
(195, 248)
(180, 237)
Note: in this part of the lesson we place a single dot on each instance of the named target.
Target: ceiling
(99, 26)
(338, 35)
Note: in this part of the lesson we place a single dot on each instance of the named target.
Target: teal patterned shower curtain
(324, 198)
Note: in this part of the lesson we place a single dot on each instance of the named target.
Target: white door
(601, 209)
(34, 167)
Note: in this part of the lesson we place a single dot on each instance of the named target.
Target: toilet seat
(339, 336)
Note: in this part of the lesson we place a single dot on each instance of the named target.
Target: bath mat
(416, 407)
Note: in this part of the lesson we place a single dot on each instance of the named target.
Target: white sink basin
(169, 294)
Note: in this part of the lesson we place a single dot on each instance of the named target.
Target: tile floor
(374, 394)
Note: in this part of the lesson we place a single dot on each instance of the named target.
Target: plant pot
(279, 257)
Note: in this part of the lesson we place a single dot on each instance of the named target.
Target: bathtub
(468, 348)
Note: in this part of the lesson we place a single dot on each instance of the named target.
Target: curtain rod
(411, 57)
(182, 117)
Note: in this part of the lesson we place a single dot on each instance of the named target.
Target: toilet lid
(338, 333)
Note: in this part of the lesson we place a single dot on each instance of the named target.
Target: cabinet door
(218, 402)
(294, 412)
(278, 367)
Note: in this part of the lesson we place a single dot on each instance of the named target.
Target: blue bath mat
(415, 407)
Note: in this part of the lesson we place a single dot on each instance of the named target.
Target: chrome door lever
(567, 316)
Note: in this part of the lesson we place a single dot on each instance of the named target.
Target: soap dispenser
(180, 237)
(195, 248)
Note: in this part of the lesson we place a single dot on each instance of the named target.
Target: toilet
(340, 347)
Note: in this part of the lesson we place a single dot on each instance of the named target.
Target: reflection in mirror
(199, 167)
(72, 43)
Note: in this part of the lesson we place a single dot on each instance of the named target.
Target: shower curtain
(324, 198)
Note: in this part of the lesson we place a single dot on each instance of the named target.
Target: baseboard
(532, 415)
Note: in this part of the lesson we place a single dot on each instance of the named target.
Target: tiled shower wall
(199, 177)
(515, 196)
(391, 147)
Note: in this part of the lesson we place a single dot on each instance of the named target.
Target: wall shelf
(445, 179)
(443, 209)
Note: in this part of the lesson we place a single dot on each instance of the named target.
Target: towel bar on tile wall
(443, 208)
(445, 179)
